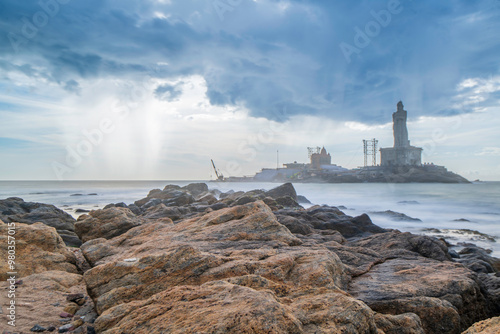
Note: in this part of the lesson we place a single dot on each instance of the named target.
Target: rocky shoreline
(193, 260)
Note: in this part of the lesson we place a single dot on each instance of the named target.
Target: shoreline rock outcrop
(14, 209)
(187, 259)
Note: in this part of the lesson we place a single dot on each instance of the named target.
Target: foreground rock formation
(15, 209)
(191, 260)
(38, 248)
(47, 273)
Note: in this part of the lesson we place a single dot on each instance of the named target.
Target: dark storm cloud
(268, 56)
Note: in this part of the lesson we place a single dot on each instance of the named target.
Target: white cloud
(467, 83)
(474, 91)
(489, 151)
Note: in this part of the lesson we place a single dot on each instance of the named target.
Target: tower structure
(399, 126)
(370, 151)
(402, 154)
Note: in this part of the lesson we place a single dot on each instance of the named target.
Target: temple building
(402, 154)
(321, 158)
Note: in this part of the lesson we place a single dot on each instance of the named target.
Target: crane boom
(217, 173)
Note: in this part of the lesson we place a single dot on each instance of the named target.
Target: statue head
(400, 106)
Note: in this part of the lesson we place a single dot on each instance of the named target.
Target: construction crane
(220, 177)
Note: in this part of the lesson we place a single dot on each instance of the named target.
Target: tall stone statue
(399, 127)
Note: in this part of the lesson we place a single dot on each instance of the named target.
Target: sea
(459, 213)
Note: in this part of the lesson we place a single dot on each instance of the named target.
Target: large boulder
(328, 218)
(196, 189)
(491, 289)
(246, 226)
(214, 307)
(352, 227)
(38, 248)
(207, 198)
(173, 195)
(295, 225)
(106, 223)
(163, 211)
(393, 242)
(445, 295)
(284, 190)
(15, 209)
(478, 259)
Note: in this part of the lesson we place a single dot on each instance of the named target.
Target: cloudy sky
(154, 89)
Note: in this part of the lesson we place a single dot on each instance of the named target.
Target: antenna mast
(370, 150)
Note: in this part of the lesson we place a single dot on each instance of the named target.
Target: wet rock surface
(478, 259)
(193, 260)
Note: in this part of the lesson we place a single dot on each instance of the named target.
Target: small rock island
(401, 163)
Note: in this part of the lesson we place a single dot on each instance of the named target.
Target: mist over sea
(445, 210)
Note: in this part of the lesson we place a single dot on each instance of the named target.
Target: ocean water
(460, 213)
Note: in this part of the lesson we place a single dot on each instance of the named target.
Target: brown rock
(71, 308)
(406, 323)
(38, 300)
(15, 209)
(387, 243)
(489, 326)
(163, 211)
(174, 196)
(239, 270)
(332, 311)
(74, 297)
(54, 280)
(244, 245)
(209, 198)
(295, 225)
(331, 218)
(118, 282)
(106, 223)
(80, 302)
(78, 298)
(39, 248)
(247, 226)
(77, 323)
(287, 202)
(222, 307)
(437, 316)
(357, 260)
(196, 189)
(286, 189)
(444, 295)
(215, 307)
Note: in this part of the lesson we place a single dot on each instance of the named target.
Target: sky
(155, 89)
